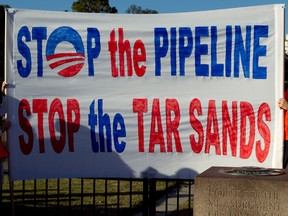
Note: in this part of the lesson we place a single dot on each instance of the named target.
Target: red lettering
(156, 137)
(229, 128)
(212, 137)
(57, 107)
(123, 47)
(172, 125)
(140, 106)
(40, 107)
(138, 58)
(26, 147)
(112, 47)
(246, 110)
(196, 125)
(261, 154)
(215, 135)
(72, 125)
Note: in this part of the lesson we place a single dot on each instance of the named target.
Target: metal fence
(78, 196)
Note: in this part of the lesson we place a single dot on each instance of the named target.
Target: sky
(162, 6)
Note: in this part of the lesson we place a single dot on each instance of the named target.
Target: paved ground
(171, 204)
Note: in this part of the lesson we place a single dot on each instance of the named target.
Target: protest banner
(132, 96)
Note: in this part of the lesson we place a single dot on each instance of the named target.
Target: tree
(134, 9)
(93, 6)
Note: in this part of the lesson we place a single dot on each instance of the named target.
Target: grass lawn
(78, 196)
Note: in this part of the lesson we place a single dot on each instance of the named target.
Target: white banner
(131, 96)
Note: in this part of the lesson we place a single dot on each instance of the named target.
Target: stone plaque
(241, 191)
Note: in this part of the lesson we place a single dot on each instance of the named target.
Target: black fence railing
(79, 197)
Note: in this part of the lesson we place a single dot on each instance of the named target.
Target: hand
(283, 104)
(3, 87)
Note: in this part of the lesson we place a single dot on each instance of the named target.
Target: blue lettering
(39, 34)
(237, 45)
(92, 122)
(228, 51)
(173, 51)
(259, 50)
(241, 52)
(201, 49)
(104, 121)
(184, 51)
(161, 37)
(121, 132)
(179, 43)
(93, 51)
(216, 69)
(119, 129)
(24, 51)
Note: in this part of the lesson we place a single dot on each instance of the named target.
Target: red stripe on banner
(60, 55)
(71, 70)
(61, 62)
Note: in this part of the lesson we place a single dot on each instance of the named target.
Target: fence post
(11, 184)
(145, 196)
(149, 197)
(1, 195)
(152, 197)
